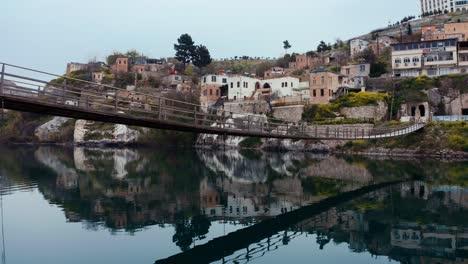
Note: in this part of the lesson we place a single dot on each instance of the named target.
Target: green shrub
(250, 142)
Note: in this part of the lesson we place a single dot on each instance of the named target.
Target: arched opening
(257, 86)
(422, 110)
(413, 111)
(266, 86)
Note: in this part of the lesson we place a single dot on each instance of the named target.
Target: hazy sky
(47, 34)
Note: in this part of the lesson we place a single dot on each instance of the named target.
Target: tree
(367, 56)
(311, 53)
(409, 29)
(202, 57)
(323, 47)
(185, 49)
(286, 46)
(111, 59)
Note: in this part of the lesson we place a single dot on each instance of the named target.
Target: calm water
(64, 205)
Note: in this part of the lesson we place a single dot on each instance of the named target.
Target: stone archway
(422, 111)
(258, 86)
(266, 86)
(413, 111)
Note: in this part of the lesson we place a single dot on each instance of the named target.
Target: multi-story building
(238, 87)
(324, 86)
(434, 6)
(452, 30)
(432, 58)
(121, 65)
(356, 75)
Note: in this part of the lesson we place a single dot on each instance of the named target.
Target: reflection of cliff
(93, 159)
(336, 168)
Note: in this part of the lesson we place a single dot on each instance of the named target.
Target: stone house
(121, 65)
(97, 76)
(324, 86)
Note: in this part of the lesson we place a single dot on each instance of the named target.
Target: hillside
(417, 24)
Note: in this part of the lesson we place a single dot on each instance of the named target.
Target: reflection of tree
(322, 240)
(187, 230)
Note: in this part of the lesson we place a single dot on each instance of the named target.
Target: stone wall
(290, 113)
(253, 107)
(374, 112)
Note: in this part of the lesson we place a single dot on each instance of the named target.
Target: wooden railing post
(64, 88)
(160, 108)
(116, 101)
(2, 79)
(194, 114)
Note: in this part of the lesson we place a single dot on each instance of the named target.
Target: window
(285, 84)
(314, 81)
(323, 80)
(211, 92)
(204, 79)
(314, 93)
(238, 84)
(407, 60)
(217, 92)
(224, 80)
(292, 84)
(348, 71)
(416, 59)
(363, 68)
(282, 85)
(232, 85)
(213, 78)
(322, 92)
(330, 81)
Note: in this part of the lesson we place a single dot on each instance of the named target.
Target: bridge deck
(92, 101)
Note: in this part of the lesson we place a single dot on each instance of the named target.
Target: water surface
(82, 205)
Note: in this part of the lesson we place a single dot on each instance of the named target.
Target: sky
(46, 34)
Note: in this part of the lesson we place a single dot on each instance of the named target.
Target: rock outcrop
(51, 130)
(92, 133)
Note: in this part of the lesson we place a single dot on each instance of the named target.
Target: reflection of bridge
(22, 90)
(221, 247)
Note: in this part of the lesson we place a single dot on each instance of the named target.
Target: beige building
(324, 86)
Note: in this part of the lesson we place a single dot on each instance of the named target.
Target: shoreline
(447, 155)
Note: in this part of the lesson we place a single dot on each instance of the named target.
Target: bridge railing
(77, 94)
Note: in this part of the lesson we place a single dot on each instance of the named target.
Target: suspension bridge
(29, 90)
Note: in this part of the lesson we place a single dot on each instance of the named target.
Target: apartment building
(432, 58)
(324, 86)
(434, 6)
(355, 76)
